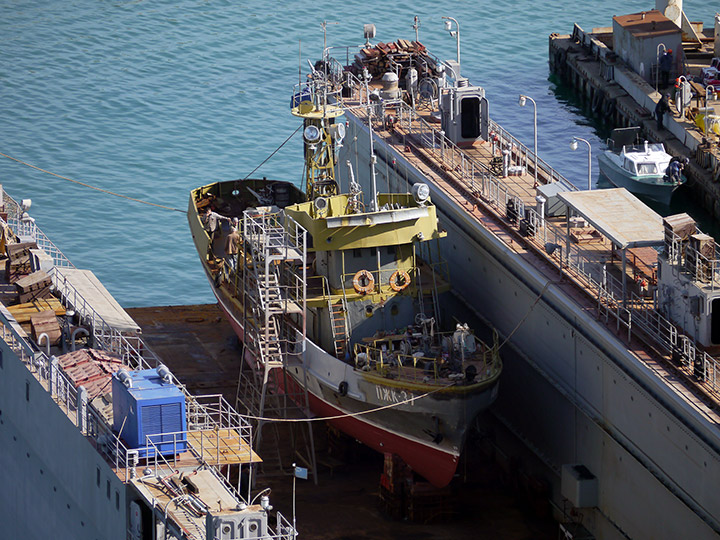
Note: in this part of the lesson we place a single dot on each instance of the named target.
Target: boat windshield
(647, 168)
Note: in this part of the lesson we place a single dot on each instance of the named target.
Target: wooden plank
(23, 312)
(36, 280)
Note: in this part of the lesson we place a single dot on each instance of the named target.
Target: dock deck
(587, 267)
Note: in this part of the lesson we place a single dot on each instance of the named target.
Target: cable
(274, 152)
(348, 415)
(93, 187)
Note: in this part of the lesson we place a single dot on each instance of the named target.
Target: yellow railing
(377, 359)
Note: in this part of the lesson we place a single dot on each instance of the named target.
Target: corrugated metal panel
(151, 422)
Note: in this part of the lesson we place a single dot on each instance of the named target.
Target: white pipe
(47, 341)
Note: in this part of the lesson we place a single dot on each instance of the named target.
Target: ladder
(272, 291)
(338, 324)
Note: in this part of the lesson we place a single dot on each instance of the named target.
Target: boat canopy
(618, 215)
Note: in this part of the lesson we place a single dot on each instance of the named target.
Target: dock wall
(55, 483)
(619, 97)
(571, 391)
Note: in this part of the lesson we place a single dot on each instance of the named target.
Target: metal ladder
(338, 325)
(272, 295)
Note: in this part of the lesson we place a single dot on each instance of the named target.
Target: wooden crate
(18, 251)
(45, 322)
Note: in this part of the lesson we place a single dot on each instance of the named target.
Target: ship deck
(587, 256)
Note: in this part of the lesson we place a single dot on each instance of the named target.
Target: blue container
(150, 407)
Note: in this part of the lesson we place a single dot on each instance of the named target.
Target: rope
(547, 283)
(274, 152)
(92, 187)
(348, 415)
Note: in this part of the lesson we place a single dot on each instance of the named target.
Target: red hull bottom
(436, 466)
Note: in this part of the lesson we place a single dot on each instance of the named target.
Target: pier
(620, 97)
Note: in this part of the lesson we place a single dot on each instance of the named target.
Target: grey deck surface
(90, 288)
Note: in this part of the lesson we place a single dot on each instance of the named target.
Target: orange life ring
(368, 277)
(399, 280)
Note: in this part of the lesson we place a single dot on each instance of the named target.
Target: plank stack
(34, 286)
(18, 262)
(45, 322)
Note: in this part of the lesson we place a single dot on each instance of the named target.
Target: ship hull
(651, 186)
(427, 434)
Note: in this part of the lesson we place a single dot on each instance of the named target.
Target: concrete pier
(620, 97)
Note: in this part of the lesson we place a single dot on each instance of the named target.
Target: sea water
(151, 99)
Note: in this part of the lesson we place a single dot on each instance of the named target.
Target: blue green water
(150, 99)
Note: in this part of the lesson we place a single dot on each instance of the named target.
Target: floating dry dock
(99, 439)
(610, 375)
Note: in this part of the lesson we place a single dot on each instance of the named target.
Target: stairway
(338, 322)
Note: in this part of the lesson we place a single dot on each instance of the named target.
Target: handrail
(570, 258)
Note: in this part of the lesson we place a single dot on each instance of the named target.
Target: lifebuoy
(399, 280)
(363, 276)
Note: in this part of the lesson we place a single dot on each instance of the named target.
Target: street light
(573, 146)
(455, 34)
(521, 102)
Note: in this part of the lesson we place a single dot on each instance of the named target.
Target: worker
(674, 170)
(666, 62)
(211, 221)
(231, 246)
(661, 108)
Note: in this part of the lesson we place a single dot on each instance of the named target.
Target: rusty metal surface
(196, 343)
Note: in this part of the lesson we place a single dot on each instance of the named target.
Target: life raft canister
(363, 276)
(399, 280)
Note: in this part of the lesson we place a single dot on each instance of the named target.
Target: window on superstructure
(1, 358)
(391, 250)
(357, 253)
(27, 390)
(97, 476)
(108, 489)
(647, 168)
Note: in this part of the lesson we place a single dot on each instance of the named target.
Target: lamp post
(455, 33)
(573, 146)
(657, 57)
(521, 102)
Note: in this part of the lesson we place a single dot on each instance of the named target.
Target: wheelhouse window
(647, 168)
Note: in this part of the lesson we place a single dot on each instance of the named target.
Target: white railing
(637, 316)
(27, 227)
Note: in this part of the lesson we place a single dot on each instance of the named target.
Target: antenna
(300, 63)
(416, 26)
